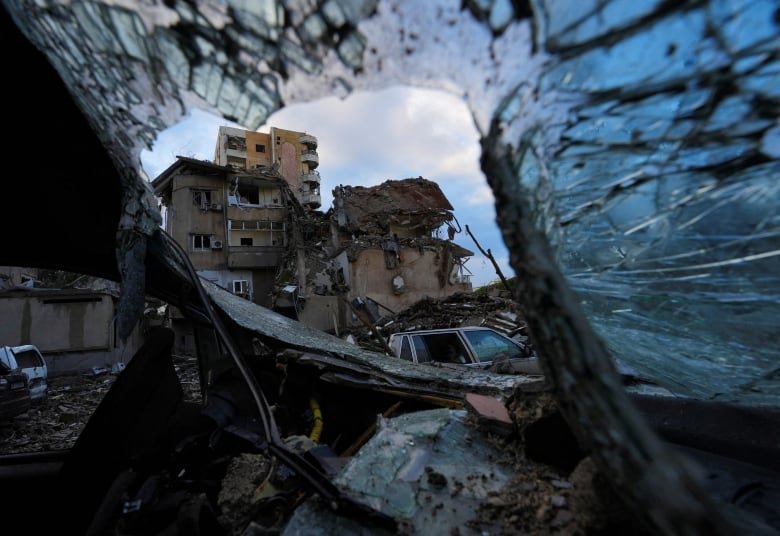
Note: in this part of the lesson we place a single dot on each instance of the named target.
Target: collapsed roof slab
(414, 202)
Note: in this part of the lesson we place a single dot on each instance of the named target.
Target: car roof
(445, 330)
(24, 347)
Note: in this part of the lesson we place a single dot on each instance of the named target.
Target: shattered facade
(383, 252)
(234, 224)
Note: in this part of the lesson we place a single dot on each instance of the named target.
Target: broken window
(244, 194)
(236, 143)
(246, 241)
(443, 347)
(241, 287)
(201, 198)
(259, 147)
(201, 242)
(642, 135)
(236, 161)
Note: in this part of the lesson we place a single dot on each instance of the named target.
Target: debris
(491, 414)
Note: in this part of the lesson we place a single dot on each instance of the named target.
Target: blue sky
(368, 138)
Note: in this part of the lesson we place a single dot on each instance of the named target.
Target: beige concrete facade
(233, 223)
(293, 154)
(417, 276)
(73, 329)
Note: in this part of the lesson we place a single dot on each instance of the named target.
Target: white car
(27, 358)
(476, 347)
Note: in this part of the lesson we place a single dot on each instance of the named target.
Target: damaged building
(249, 223)
(384, 253)
(234, 223)
(632, 150)
(293, 154)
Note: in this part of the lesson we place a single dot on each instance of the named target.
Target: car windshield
(440, 347)
(489, 345)
(28, 359)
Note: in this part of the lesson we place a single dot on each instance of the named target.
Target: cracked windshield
(392, 267)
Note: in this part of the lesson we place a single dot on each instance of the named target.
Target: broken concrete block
(491, 413)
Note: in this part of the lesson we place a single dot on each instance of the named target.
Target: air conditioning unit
(216, 244)
(215, 206)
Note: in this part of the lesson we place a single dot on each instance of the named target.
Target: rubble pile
(460, 309)
(56, 423)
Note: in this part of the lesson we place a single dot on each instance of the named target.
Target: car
(14, 393)
(29, 360)
(475, 347)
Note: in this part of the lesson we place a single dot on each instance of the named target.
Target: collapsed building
(383, 254)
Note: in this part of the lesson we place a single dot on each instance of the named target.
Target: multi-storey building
(242, 221)
(233, 222)
(293, 154)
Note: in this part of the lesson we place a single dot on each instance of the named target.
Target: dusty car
(29, 360)
(477, 347)
(14, 393)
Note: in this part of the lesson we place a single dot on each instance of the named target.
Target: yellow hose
(317, 428)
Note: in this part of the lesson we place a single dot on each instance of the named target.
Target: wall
(287, 152)
(255, 157)
(420, 272)
(323, 312)
(184, 219)
(73, 329)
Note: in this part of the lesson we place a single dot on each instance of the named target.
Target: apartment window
(236, 161)
(241, 287)
(201, 198)
(260, 148)
(246, 241)
(236, 143)
(245, 195)
(201, 242)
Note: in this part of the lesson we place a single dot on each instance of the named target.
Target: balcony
(314, 200)
(311, 158)
(254, 257)
(308, 140)
(311, 178)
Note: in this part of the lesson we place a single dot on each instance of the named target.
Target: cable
(316, 479)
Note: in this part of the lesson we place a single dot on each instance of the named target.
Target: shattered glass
(426, 467)
(667, 195)
(647, 135)
(641, 139)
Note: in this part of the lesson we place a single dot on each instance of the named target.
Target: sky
(368, 138)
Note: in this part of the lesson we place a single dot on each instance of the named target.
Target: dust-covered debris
(460, 309)
(56, 423)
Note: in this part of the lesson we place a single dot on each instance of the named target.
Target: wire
(316, 479)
